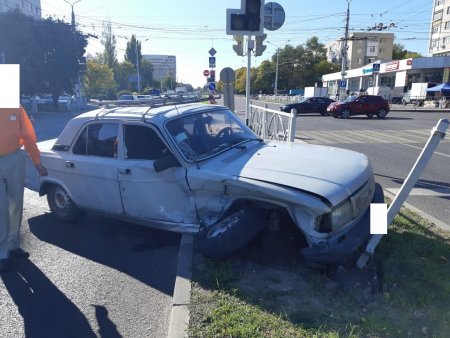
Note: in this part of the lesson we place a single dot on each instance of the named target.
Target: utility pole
(344, 54)
(78, 89)
(250, 46)
(276, 68)
(73, 14)
(137, 68)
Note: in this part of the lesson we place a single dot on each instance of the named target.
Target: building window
(447, 25)
(381, 51)
(434, 43)
(437, 16)
(435, 29)
(446, 40)
(448, 10)
(372, 49)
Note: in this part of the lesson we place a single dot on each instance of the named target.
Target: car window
(97, 140)
(143, 143)
(205, 134)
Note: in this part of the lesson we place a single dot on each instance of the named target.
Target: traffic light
(239, 47)
(249, 20)
(259, 47)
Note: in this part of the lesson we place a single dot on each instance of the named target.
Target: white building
(397, 75)
(163, 66)
(28, 7)
(362, 48)
(440, 28)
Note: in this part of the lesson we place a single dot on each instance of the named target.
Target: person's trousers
(12, 180)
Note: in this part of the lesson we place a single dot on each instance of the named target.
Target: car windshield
(351, 98)
(203, 135)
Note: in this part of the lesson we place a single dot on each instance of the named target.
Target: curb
(421, 213)
(179, 315)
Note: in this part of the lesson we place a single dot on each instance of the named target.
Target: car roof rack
(145, 113)
(99, 114)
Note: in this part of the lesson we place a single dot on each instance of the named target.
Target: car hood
(330, 172)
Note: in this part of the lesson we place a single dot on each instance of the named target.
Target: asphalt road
(392, 145)
(95, 278)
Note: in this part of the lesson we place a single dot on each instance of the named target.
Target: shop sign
(392, 66)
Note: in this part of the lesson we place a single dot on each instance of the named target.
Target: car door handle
(125, 171)
(70, 164)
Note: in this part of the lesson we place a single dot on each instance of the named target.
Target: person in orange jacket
(16, 131)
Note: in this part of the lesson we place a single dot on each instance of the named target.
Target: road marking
(438, 192)
(397, 136)
(436, 152)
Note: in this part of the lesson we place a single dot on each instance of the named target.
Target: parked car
(309, 105)
(198, 168)
(369, 105)
(25, 101)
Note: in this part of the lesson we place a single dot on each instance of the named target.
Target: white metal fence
(272, 124)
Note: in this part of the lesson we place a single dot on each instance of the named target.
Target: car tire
(61, 204)
(382, 113)
(404, 103)
(231, 232)
(369, 116)
(345, 114)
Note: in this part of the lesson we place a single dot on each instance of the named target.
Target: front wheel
(382, 113)
(61, 204)
(230, 233)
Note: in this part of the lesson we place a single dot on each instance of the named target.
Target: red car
(369, 105)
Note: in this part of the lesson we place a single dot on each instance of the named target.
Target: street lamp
(276, 67)
(73, 14)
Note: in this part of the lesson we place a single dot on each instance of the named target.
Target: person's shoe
(4, 264)
(19, 253)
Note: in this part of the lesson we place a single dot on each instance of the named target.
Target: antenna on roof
(145, 113)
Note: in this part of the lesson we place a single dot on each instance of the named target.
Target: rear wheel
(345, 114)
(61, 204)
(231, 232)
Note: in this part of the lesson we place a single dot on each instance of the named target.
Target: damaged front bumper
(349, 245)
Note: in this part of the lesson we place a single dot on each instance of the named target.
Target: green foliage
(124, 70)
(133, 50)
(109, 54)
(48, 52)
(399, 52)
(99, 80)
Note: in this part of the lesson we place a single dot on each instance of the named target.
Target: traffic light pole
(247, 82)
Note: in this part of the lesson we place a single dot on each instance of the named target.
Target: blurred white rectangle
(378, 219)
(9, 85)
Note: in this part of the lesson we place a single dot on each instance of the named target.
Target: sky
(188, 29)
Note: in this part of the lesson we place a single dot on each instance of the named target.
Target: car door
(147, 194)
(359, 106)
(91, 168)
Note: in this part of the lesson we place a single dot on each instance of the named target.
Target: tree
(99, 80)
(109, 43)
(124, 70)
(48, 51)
(146, 72)
(399, 52)
(133, 50)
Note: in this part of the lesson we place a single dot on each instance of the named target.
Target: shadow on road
(132, 249)
(45, 310)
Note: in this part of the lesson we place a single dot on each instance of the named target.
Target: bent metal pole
(437, 135)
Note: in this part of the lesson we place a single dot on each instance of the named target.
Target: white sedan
(198, 168)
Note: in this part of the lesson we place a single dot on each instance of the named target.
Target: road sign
(212, 52)
(343, 83)
(212, 62)
(206, 72)
(375, 67)
(212, 86)
(274, 16)
(227, 75)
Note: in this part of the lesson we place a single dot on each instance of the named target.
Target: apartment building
(440, 28)
(362, 48)
(28, 7)
(163, 66)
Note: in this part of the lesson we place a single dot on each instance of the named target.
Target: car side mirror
(166, 162)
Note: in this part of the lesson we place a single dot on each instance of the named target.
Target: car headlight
(341, 215)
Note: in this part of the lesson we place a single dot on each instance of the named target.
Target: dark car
(369, 105)
(309, 105)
